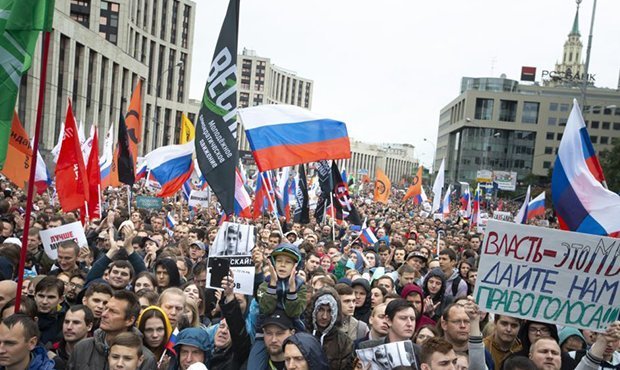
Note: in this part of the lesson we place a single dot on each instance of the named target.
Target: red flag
(94, 180)
(71, 180)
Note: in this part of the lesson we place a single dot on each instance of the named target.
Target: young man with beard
(76, 326)
(401, 320)
(323, 320)
(276, 328)
(75, 285)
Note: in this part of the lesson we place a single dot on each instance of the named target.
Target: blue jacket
(39, 360)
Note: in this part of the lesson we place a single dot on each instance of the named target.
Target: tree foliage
(610, 161)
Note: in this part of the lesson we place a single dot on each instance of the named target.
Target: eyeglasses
(534, 330)
(75, 286)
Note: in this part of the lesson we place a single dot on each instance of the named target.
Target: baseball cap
(13, 240)
(417, 254)
(199, 244)
(280, 319)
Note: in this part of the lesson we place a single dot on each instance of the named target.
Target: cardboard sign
(145, 202)
(52, 238)
(198, 197)
(503, 216)
(235, 243)
(388, 356)
(559, 277)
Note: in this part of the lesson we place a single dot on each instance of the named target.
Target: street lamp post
(159, 80)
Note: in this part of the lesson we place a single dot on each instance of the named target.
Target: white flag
(438, 186)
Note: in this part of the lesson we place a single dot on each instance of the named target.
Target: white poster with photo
(388, 356)
(232, 249)
(52, 238)
(198, 197)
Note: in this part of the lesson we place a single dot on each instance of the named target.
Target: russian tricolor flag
(368, 237)
(171, 166)
(581, 201)
(536, 208)
(242, 198)
(284, 135)
(170, 223)
(521, 217)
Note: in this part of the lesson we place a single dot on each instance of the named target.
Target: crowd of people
(135, 297)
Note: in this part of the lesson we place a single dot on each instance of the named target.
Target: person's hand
(258, 258)
(149, 258)
(302, 275)
(19, 221)
(228, 284)
(164, 363)
(430, 307)
(273, 277)
(472, 309)
(110, 219)
(292, 285)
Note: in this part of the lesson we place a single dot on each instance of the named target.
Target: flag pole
(35, 148)
(273, 204)
(331, 200)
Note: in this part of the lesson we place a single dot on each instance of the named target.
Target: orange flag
(415, 188)
(383, 186)
(133, 120)
(18, 156)
(71, 179)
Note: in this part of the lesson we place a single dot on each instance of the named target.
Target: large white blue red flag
(242, 198)
(536, 208)
(367, 236)
(171, 166)
(285, 135)
(580, 200)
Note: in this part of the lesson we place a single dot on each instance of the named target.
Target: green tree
(610, 161)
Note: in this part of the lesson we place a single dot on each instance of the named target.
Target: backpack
(455, 285)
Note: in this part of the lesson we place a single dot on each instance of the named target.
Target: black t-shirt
(276, 365)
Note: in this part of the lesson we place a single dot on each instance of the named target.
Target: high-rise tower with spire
(571, 67)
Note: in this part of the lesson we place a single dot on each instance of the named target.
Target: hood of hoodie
(436, 272)
(359, 265)
(568, 332)
(360, 311)
(196, 337)
(167, 325)
(412, 288)
(311, 349)
(525, 328)
(173, 271)
(313, 306)
(40, 361)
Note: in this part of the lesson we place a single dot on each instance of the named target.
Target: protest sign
(505, 180)
(560, 277)
(198, 197)
(234, 242)
(145, 202)
(52, 238)
(388, 356)
(502, 216)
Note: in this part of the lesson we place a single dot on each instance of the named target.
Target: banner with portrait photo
(388, 356)
(234, 243)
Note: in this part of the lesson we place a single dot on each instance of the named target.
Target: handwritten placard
(52, 238)
(554, 276)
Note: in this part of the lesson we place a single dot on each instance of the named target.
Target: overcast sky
(386, 68)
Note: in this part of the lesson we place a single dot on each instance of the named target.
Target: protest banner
(234, 242)
(505, 180)
(145, 202)
(198, 197)
(52, 238)
(559, 277)
(388, 356)
(503, 216)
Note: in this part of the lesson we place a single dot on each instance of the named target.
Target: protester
(303, 351)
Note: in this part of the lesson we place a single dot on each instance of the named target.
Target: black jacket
(235, 355)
